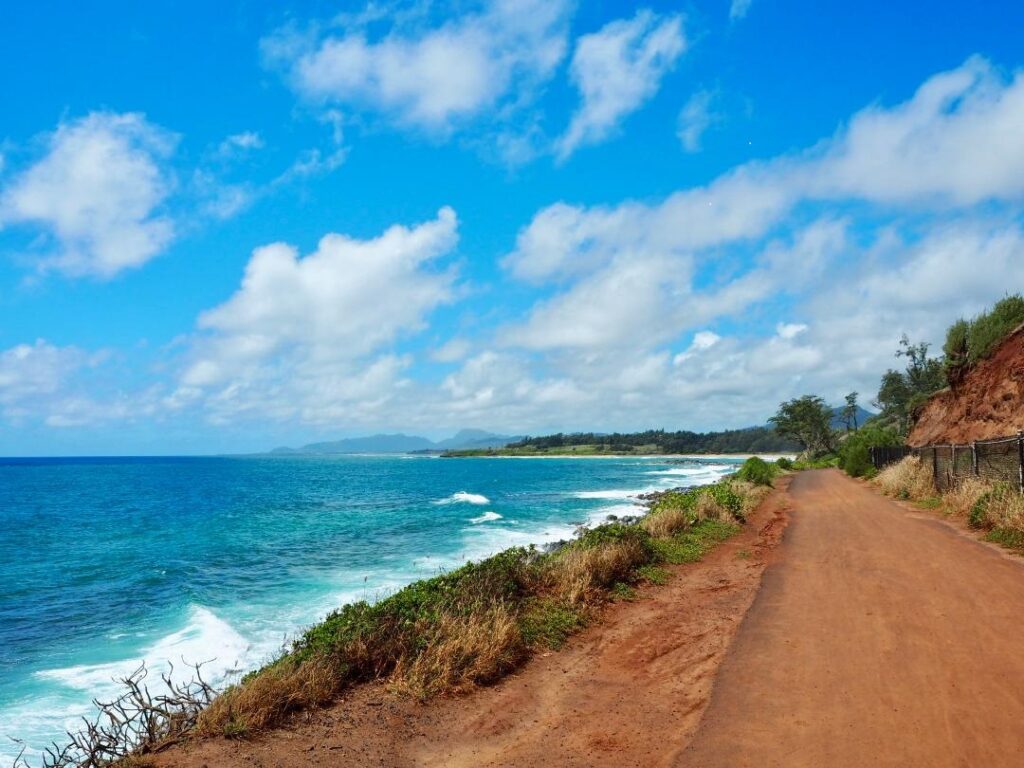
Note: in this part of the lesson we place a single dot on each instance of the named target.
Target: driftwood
(135, 723)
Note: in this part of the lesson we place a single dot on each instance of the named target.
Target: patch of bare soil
(628, 691)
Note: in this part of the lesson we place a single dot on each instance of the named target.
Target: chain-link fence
(1000, 460)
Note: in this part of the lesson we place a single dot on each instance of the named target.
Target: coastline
(645, 660)
(645, 456)
(587, 542)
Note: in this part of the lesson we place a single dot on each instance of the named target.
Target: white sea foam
(462, 497)
(615, 494)
(486, 517)
(205, 638)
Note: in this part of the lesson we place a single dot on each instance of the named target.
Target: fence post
(974, 458)
(1020, 460)
(935, 466)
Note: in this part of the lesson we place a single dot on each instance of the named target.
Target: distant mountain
(400, 443)
(838, 422)
(475, 438)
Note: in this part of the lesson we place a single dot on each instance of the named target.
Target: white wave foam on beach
(486, 517)
(462, 497)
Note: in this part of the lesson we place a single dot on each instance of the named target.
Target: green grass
(933, 502)
(691, 545)
(1010, 539)
(548, 623)
(623, 591)
(653, 573)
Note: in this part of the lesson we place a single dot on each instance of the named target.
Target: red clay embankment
(988, 403)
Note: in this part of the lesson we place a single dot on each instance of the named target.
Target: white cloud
(42, 382)
(239, 144)
(430, 77)
(789, 331)
(616, 70)
(452, 351)
(694, 119)
(97, 193)
(629, 267)
(738, 9)
(303, 337)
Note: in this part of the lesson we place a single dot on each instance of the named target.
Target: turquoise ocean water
(106, 562)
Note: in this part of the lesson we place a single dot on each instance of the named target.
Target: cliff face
(988, 403)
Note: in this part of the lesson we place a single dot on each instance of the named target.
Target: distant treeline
(750, 440)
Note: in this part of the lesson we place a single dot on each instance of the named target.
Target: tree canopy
(808, 420)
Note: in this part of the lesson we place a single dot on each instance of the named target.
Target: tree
(901, 393)
(850, 412)
(808, 420)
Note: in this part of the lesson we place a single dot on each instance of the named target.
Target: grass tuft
(907, 479)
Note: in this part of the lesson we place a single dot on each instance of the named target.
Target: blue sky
(227, 226)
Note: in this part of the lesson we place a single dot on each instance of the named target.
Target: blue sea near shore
(106, 562)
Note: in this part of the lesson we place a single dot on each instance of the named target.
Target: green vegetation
(808, 421)
(752, 440)
(970, 341)
(854, 453)
(758, 471)
(475, 624)
(901, 393)
(784, 463)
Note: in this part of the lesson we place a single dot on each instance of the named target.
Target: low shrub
(784, 463)
(855, 451)
(757, 471)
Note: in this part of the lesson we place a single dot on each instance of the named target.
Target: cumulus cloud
(616, 70)
(97, 194)
(307, 337)
(429, 76)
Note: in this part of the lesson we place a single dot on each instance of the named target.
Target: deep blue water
(104, 562)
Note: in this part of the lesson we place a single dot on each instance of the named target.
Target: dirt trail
(627, 692)
(882, 637)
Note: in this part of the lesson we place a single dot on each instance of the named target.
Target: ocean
(108, 562)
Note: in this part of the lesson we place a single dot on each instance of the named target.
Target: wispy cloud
(616, 70)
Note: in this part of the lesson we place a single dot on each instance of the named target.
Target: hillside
(400, 443)
(750, 440)
(987, 403)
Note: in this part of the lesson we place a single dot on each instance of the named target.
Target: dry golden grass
(907, 479)
(1004, 508)
(751, 494)
(666, 522)
(579, 572)
(462, 652)
(965, 494)
(266, 698)
(708, 508)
